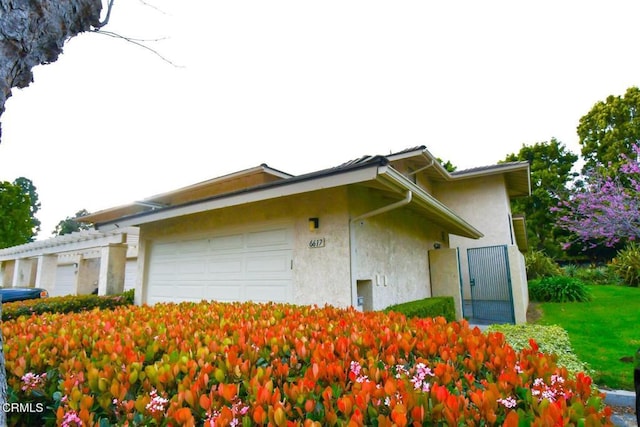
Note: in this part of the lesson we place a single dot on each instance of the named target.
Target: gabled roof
(258, 175)
(368, 170)
(263, 183)
(517, 176)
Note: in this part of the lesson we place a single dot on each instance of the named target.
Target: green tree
(16, 225)
(448, 166)
(70, 224)
(551, 164)
(30, 189)
(610, 129)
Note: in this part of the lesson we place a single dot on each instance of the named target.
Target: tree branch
(140, 42)
(106, 18)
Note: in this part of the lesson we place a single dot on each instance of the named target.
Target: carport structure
(74, 264)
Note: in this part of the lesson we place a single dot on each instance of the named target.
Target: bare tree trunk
(3, 376)
(33, 32)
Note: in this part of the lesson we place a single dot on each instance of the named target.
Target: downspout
(352, 240)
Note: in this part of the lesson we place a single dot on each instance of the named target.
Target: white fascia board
(279, 189)
(498, 169)
(397, 181)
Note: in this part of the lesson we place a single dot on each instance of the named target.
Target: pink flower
(508, 402)
(419, 378)
(157, 404)
(33, 381)
(71, 419)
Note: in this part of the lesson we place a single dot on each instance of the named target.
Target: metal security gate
(490, 280)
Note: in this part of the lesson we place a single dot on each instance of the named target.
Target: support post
(24, 274)
(112, 269)
(87, 278)
(46, 272)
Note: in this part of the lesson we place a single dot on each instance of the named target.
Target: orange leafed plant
(274, 364)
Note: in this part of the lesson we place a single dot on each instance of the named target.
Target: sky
(305, 85)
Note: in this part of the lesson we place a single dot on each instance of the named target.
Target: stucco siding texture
(519, 286)
(320, 275)
(484, 203)
(391, 250)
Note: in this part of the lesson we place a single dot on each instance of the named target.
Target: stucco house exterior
(369, 233)
(74, 264)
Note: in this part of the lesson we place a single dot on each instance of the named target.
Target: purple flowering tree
(606, 211)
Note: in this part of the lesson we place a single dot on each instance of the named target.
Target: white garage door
(65, 281)
(247, 266)
(130, 274)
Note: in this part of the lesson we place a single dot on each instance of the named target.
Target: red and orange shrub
(281, 365)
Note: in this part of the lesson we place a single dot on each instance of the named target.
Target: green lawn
(603, 332)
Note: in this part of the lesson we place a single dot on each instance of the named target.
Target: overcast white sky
(305, 85)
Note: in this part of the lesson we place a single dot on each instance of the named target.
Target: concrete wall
(88, 275)
(41, 263)
(445, 276)
(391, 264)
(25, 273)
(320, 275)
(112, 269)
(484, 203)
(8, 268)
(519, 287)
(46, 273)
(391, 250)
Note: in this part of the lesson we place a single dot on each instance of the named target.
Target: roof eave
(155, 202)
(422, 151)
(519, 170)
(437, 211)
(296, 185)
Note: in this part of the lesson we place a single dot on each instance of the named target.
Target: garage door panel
(130, 274)
(269, 238)
(192, 268)
(166, 292)
(224, 291)
(269, 291)
(65, 281)
(225, 243)
(162, 269)
(272, 262)
(192, 246)
(164, 249)
(226, 264)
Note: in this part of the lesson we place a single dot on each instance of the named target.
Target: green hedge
(551, 339)
(65, 304)
(428, 307)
